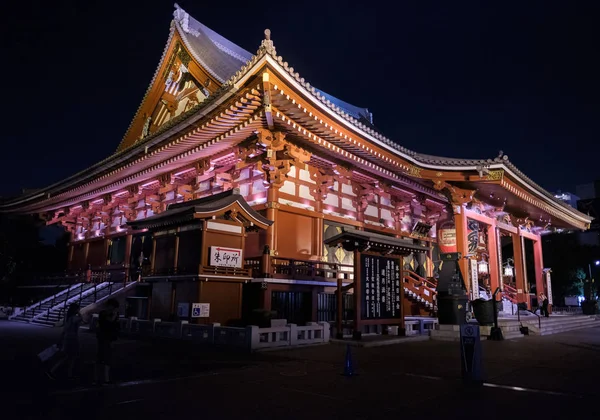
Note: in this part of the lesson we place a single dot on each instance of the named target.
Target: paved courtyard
(529, 377)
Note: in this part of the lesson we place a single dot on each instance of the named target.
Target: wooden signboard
(381, 296)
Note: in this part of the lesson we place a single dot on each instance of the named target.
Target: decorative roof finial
(267, 44)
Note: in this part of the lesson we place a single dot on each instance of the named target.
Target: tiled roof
(184, 212)
(222, 58)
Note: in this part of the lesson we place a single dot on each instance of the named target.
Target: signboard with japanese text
(200, 310)
(549, 287)
(474, 279)
(380, 279)
(446, 236)
(225, 257)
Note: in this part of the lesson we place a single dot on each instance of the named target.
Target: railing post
(154, 322)
(292, 269)
(211, 332)
(293, 334)
(253, 337)
(80, 293)
(326, 331)
(181, 324)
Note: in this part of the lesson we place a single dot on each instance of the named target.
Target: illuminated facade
(216, 118)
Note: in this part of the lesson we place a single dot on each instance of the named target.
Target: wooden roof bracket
(267, 101)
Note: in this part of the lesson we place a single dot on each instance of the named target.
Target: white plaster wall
(332, 200)
(386, 214)
(244, 174)
(305, 176)
(288, 188)
(347, 204)
(304, 192)
(258, 186)
(244, 190)
(347, 189)
(371, 211)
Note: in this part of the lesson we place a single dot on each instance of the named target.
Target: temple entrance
(327, 307)
(296, 307)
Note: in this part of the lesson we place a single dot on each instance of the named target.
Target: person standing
(107, 332)
(540, 303)
(545, 306)
(69, 343)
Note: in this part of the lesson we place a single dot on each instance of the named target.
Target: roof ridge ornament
(182, 17)
(267, 44)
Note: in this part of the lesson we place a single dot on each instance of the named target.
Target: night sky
(450, 78)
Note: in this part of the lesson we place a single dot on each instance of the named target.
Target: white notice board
(200, 310)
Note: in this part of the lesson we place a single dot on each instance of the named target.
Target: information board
(380, 287)
(200, 310)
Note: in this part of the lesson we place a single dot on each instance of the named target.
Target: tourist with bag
(107, 333)
(69, 343)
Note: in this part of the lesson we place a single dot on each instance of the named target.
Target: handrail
(519, 317)
(418, 287)
(432, 284)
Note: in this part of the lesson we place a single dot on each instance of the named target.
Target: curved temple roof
(229, 63)
(222, 58)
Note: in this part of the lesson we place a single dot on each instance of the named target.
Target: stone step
(557, 329)
(562, 324)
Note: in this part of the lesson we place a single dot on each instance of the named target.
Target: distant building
(588, 191)
(567, 197)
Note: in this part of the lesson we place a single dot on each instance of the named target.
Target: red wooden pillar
(518, 256)
(272, 206)
(493, 263)
(429, 260)
(460, 222)
(538, 261)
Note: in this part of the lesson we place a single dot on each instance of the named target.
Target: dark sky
(451, 78)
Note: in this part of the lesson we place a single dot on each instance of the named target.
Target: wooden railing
(196, 271)
(290, 268)
(421, 288)
(226, 271)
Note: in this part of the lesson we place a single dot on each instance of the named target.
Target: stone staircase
(420, 291)
(48, 303)
(559, 323)
(51, 311)
(511, 329)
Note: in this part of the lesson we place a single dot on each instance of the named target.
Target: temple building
(240, 185)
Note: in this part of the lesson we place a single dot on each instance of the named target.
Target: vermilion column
(272, 206)
(519, 268)
(460, 222)
(318, 230)
(538, 261)
(493, 264)
(429, 272)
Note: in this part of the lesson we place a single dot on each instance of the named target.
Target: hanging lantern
(508, 271)
(482, 267)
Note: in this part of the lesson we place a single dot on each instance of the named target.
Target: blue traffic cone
(348, 366)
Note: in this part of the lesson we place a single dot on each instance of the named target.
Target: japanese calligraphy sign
(474, 279)
(472, 235)
(380, 279)
(225, 257)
